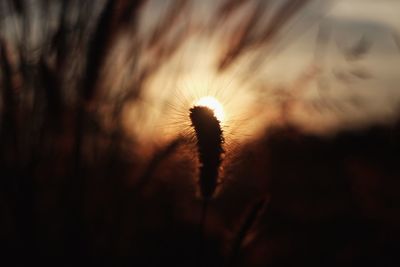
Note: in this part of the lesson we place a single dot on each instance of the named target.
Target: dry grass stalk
(209, 145)
(249, 220)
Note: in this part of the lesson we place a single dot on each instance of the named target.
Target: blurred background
(98, 164)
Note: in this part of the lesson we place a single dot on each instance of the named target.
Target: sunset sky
(332, 89)
(359, 92)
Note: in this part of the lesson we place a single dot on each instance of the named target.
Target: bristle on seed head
(209, 144)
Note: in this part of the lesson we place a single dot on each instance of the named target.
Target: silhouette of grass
(76, 189)
(209, 143)
(248, 222)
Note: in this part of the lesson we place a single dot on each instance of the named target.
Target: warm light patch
(213, 104)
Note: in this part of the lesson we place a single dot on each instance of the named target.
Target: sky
(348, 22)
(341, 92)
(308, 63)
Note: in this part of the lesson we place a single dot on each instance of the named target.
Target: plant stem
(202, 234)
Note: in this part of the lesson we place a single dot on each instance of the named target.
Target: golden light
(213, 104)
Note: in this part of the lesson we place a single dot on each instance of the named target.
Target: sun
(213, 104)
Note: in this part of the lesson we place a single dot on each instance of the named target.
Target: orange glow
(213, 104)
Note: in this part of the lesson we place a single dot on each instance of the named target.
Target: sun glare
(213, 104)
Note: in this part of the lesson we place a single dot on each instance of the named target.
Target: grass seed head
(209, 144)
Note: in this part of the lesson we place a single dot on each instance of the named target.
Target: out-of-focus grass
(77, 189)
